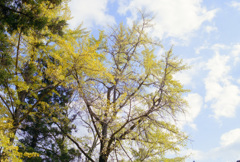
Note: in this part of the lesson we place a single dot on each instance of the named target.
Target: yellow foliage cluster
(8, 151)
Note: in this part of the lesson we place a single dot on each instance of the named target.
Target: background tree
(40, 134)
(132, 110)
(21, 63)
(28, 15)
(36, 45)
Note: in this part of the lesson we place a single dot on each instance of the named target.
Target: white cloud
(175, 18)
(230, 137)
(236, 53)
(199, 49)
(220, 92)
(195, 103)
(238, 81)
(217, 47)
(228, 151)
(218, 68)
(210, 29)
(227, 102)
(235, 4)
(90, 12)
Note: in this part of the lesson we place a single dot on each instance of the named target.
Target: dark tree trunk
(103, 158)
(103, 154)
(36, 134)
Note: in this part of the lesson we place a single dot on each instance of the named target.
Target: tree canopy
(130, 112)
(127, 98)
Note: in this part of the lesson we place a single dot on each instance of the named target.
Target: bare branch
(125, 151)
(78, 146)
(5, 103)
(18, 48)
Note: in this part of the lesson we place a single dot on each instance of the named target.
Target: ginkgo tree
(129, 112)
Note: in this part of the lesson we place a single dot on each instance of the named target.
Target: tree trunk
(103, 157)
(103, 154)
(13, 131)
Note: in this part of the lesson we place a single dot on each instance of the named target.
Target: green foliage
(5, 58)
(25, 14)
(40, 133)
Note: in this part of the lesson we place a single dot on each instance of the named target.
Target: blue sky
(206, 34)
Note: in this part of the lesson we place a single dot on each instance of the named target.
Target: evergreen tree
(27, 15)
(40, 133)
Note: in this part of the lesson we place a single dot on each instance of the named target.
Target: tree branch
(69, 137)
(6, 105)
(18, 48)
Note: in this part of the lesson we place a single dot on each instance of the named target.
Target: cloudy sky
(206, 34)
